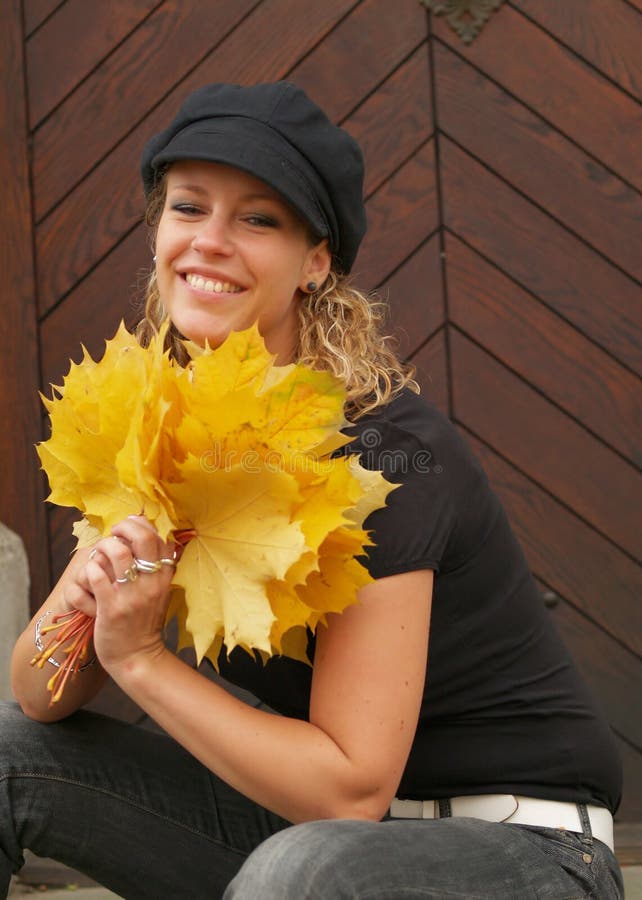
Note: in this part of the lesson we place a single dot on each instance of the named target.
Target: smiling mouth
(212, 287)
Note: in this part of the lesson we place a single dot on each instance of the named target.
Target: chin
(199, 334)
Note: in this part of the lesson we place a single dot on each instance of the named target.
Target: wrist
(138, 667)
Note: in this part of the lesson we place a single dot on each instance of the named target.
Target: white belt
(509, 808)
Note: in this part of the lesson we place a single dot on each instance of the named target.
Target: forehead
(207, 177)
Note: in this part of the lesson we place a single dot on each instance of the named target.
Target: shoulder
(443, 491)
(410, 437)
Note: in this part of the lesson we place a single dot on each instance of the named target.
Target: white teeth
(212, 287)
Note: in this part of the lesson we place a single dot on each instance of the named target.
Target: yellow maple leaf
(233, 453)
(244, 538)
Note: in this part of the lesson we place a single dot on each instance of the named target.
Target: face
(231, 252)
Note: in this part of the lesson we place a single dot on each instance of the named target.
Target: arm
(29, 683)
(368, 681)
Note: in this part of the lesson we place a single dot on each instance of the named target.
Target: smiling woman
(231, 252)
(481, 769)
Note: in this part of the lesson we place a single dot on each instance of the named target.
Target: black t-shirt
(504, 710)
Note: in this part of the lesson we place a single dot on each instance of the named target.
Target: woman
(486, 772)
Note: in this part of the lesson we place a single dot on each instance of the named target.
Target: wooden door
(503, 195)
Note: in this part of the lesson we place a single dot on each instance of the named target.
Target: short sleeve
(419, 450)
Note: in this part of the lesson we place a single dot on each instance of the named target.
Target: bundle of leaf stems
(74, 626)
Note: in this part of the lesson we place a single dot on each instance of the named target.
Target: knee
(309, 860)
(17, 732)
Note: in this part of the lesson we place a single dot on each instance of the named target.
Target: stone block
(14, 600)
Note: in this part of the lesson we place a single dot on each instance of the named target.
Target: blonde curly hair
(340, 331)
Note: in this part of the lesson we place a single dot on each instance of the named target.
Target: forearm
(29, 683)
(289, 766)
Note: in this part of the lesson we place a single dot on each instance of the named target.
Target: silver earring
(154, 258)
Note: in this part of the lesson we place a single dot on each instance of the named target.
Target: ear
(317, 265)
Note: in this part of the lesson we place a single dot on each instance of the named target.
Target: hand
(129, 615)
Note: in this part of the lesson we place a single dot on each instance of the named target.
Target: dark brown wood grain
(360, 53)
(559, 86)
(36, 11)
(432, 371)
(607, 33)
(544, 349)
(416, 297)
(93, 29)
(101, 111)
(546, 444)
(608, 669)
(569, 555)
(631, 807)
(21, 489)
(401, 215)
(66, 247)
(91, 313)
(391, 124)
(541, 255)
(62, 543)
(536, 159)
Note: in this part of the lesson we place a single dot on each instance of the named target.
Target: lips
(211, 285)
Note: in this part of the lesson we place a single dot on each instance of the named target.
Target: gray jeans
(134, 811)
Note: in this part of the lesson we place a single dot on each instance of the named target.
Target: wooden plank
(120, 92)
(93, 30)
(36, 11)
(607, 34)
(415, 296)
(523, 333)
(539, 161)
(360, 53)
(541, 255)
(628, 839)
(395, 120)
(60, 520)
(567, 554)
(546, 444)
(629, 851)
(569, 93)
(432, 371)
(21, 507)
(66, 248)
(607, 668)
(401, 215)
(91, 313)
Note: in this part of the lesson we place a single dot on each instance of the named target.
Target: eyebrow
(198, 189)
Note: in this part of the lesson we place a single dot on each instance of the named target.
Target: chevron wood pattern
(503, 189)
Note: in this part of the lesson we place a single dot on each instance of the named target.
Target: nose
(213, 237)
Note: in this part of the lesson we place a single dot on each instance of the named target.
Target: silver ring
(146, 566)
(93, 553)
(166, 561)
(130, 574)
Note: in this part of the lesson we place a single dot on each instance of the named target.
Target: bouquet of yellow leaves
(232, 454)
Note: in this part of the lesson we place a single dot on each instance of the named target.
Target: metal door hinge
(465, 17)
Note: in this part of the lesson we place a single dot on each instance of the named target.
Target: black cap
(276, 133)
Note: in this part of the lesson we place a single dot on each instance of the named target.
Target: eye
(187, 209)
(260, 220)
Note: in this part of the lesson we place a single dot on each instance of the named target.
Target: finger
(142, 537)
(113, 557)
(99, 580)
(79, 596)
